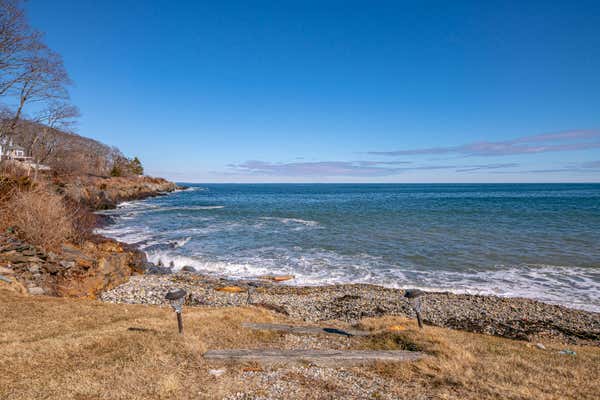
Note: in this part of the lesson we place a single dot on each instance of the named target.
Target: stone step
(305, 329)
(332, 358)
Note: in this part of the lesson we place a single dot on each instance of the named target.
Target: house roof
(15, 147)
(8, 145)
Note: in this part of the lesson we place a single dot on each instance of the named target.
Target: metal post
(417, 308)
(177, 298)
(179, 323)
(414, 298)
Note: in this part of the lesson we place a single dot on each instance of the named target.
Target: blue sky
(324, 91)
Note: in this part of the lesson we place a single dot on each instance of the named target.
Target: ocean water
(539, 241)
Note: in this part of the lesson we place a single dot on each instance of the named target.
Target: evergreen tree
(136, 166)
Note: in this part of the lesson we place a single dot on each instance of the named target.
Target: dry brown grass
(12, 179)
(52, 348)
(474, 366)
(39, 216)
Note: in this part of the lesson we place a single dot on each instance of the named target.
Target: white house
(10, 151)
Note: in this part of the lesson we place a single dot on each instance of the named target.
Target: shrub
(123, 166)
(136, 166)
(39, 217)
(83, 221)
(116, 171)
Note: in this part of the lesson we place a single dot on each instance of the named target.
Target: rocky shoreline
(118, 273)
(514, 318)
(88, 268)
(102, 193)
(74, 271)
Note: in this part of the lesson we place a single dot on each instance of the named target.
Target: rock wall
(76, 272)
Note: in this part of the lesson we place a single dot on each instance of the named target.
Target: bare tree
(58, 115)
(17, 40)
(33, 78)
(29, 71)
(44, 80)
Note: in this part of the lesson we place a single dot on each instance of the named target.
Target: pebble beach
(514, 318)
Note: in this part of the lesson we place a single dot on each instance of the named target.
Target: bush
(126, 167)
(83, 220)
(39, 217)
(116, 171)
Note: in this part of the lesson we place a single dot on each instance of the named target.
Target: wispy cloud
(585, 167)
(472, 168)
(349, 168)
(591, 164)
(549, 142)
(317, 168)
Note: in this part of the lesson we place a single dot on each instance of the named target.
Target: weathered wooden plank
(317, 357)
(305, 329)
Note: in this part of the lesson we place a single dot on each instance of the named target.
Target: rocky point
(74, 271)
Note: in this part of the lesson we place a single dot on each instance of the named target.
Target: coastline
(514, 318)
(86, 268)
(511, 317)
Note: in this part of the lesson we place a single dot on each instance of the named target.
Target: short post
(251, 288)
(414, 297)
(179, 323)
(176, 298)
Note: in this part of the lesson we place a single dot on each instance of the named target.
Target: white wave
(181, 242)
(130, 235)
(220, 268)
(139, 209)
(575, 287)
(190, 189)
(288, 221)
(189, 208)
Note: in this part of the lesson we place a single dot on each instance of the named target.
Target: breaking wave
(460, 242)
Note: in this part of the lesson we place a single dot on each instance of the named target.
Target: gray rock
(216, 372)
(36, 291)
(51, 268)
(34, 269)
(187, 268)
(6, 271)
(67, 264)
(567, 352)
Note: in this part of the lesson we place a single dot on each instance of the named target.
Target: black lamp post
(414, 297)
(176, 298)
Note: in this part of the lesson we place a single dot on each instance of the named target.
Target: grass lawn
(56, 348)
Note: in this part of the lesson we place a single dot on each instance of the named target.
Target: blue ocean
(538, 241)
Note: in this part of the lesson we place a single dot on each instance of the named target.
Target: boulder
(68, 264)
(108, 266)
(36, 291)
(34, 268)
(74, 272)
